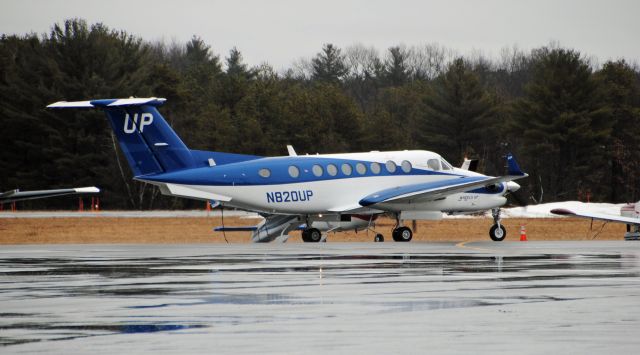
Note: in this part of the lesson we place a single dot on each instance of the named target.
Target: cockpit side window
(446, 165)
(433, 164)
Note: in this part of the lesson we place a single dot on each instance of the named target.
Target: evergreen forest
(572, 122)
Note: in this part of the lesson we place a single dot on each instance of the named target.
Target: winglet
(513, 167)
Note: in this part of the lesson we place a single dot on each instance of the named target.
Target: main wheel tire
(497, 234)
(313, 235)
(305, 236)
(378, 238)
(402, 234)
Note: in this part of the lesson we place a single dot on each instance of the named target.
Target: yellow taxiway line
(464, 246)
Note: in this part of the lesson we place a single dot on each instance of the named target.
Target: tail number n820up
(289, 196)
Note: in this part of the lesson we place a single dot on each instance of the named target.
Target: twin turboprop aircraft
(308, 189)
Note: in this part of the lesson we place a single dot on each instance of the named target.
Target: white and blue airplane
(302, 189)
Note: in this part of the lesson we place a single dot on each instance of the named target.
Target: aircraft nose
(513, 186)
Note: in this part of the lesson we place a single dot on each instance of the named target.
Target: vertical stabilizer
(147, 141)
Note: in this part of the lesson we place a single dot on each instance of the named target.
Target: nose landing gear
(497, 231)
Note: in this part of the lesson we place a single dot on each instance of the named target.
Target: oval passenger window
(375, 168)
(294, 172)
(346, 169)
(265, 173)
(391, 166)
(332, 170)
(317, 170)
(406, 166)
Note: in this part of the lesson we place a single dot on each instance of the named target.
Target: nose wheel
(497, 233)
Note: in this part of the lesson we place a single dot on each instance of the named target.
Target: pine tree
(460, 115)
(328, 66)
(562, 126)
(396, 68)
(620, 89)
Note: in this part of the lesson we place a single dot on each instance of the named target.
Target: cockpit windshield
(433, 164)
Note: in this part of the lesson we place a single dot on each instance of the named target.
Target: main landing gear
(402, 234)
(399, 234)
(497, 231)
(311, 235)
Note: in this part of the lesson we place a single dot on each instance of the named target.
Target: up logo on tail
(145, 119)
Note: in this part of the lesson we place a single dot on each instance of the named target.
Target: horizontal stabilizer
(17, 195)
(104, 103)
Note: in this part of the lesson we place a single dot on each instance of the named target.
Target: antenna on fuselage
(292, 152)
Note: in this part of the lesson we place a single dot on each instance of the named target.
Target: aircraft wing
(432, 190)
(596, 215)
(442, 188)
(17, 195)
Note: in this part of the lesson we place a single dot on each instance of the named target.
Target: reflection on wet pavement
(246, 298)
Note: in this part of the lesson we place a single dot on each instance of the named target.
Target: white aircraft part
(135, 101)
(328, 195)
(421, 215)
(598, 216)
(87, 190)
(291, 151)
(336, 196)
(116, 103)
(193, 192)
(65, 104)
(337, 226)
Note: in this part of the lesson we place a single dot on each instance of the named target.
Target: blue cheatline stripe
(246, 173)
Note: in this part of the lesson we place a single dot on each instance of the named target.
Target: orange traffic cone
(523, 234)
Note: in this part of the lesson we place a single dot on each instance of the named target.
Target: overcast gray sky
(281, 31)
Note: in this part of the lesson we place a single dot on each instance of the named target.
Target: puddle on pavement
(144, 285)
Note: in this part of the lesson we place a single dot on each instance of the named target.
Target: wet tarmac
(558, 297)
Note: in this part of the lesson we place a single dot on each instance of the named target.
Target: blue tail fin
(146, 139)
(512, 166)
